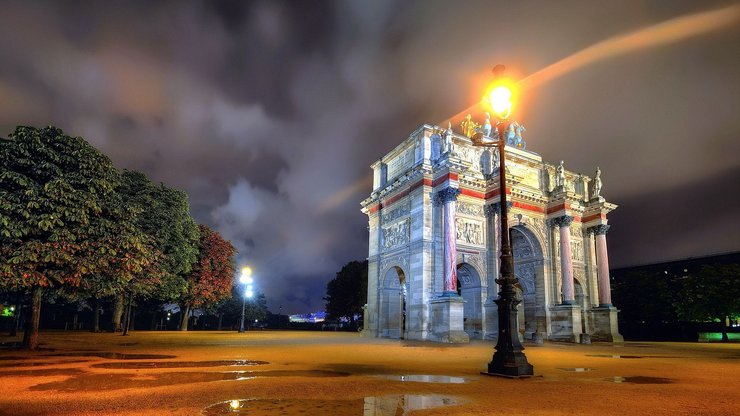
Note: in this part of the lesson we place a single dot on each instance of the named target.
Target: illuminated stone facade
(433, 256)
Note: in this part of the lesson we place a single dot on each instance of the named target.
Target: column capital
(600, 229)
(446, 195)
(563, 221)
(495, 208)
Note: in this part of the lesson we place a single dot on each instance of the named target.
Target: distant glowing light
(250, 288)
(235, 404)
(246, 275)
(249, 293)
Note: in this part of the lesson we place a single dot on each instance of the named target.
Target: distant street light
(508, 360)
(246, 279)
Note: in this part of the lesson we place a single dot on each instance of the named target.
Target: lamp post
(508, 360)
(246, 280)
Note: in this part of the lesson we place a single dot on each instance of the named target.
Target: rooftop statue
(448, 138)
(514, 135)
(468, 126)
(487, 125)
(560, 176)
(597, 184)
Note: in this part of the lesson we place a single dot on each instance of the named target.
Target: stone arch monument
(434, 244)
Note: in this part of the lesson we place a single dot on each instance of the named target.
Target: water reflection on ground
(397, 405)
(425, 378)
(640, 380)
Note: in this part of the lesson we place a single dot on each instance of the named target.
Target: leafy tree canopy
(53, 192)
(347, 292)
(164, 215)
(212, 277)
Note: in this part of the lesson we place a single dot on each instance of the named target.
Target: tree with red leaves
(212, 276)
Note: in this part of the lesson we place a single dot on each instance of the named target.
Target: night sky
(269, 114)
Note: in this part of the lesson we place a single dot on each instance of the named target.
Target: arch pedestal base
(447, 320)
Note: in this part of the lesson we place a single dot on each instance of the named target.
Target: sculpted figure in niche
(597, 184)
(468, 126)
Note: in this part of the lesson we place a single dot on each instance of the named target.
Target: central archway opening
(469, 287)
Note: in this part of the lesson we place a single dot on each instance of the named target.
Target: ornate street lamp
(508, 360)
(246, 280)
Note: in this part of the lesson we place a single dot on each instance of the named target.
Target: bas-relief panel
(469, 231)
(525, 274)
(396, 234)
(466, 208)
(397, 212)
(468, 154)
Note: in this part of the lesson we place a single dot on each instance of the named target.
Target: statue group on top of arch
(513, 134)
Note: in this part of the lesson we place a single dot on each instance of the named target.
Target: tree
(347, 292)
(212, 277)
(712, 293)
(163, 215)
(53, 192)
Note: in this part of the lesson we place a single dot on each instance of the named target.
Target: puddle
(577, 369)
(614, 356)
(97, 382)
(641, 380)
(370, 406)
(40, 363)
(44, 372)
(180, 364)
(112, 355)
(632, 356)
(424, 378)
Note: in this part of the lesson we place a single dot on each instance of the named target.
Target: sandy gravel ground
(322, 367)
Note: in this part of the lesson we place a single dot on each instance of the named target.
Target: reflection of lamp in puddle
(235, 405)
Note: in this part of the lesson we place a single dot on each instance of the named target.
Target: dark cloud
(269, 113)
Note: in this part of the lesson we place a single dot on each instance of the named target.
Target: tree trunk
(725, 338)
(153, 322)
(117, 313)
(185, 318)
(127, 323)
(220, 320)
(31, 337)
(16, 316)
(96, 316)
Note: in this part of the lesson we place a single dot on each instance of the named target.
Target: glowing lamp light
(246, 271)
(235, 404)
(500, 98)
(249, 293)
(250, 288)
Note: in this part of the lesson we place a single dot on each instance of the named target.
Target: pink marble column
(602, 262)
(566, 259)
(448, 198)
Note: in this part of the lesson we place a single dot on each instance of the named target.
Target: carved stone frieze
(469, 231)
(396, 213)
(396, 234)
(469, 209)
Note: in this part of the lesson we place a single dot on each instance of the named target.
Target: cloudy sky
(269, 113)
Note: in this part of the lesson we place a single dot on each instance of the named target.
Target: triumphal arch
(436, 195)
